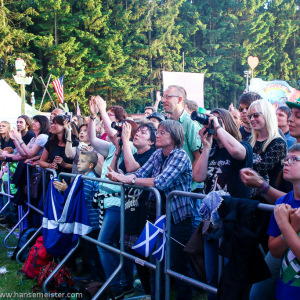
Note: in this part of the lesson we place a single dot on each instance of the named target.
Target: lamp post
(21, 79)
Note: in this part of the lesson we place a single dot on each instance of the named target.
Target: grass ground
(13, 281)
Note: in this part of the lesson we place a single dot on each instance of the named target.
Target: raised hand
(101, 103)
(93, 107)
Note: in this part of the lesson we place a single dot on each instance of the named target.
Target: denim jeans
(181, 232)
(110, 235)
(265, 290)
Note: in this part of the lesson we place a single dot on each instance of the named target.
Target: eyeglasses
(290, 160)
(255, 115)
(241, 108)
(159, 132)
(169, 96)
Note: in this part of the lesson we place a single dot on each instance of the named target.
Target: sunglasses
(241, 108)
(255, 115)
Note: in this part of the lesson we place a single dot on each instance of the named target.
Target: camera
(117, 126)
(201, 118)
(204, 120)
(67, 116)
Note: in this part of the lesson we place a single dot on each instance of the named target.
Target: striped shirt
(174, 173)
(90, 188)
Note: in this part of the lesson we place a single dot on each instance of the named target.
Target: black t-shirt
(135, 209)
(28, 136)
(140, 158)
(223, 172)
(245, 134)
(5, 144)
(58, 151)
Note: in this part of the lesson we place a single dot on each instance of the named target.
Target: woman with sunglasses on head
(269, 148)
(54, 156)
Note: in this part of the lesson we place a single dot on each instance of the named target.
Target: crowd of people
(249, 153)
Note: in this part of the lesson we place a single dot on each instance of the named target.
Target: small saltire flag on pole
(146, 240)
(159, 253)
(58, 86)
(160, 222)
(78, 112)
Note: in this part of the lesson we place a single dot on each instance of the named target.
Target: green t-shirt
(192, 140)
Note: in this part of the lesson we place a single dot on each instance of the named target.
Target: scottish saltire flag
(146, 240)
(65, 217)
(59, 89)
(159, 253)
(160, 222)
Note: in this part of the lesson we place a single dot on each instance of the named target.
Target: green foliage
(119, 48)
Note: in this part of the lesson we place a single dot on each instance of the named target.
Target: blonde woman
(5, 140)
(269, 148)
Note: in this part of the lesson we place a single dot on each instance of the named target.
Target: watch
(133, 180)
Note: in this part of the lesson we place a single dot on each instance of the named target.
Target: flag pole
(46, 90)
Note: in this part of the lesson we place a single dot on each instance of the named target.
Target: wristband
(264, 188)
(218, 128)
(21, 143)
(8, 159)
(282, 236)
(69, 141)
(92, 118)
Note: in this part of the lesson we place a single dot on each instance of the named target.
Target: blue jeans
(265, 290)
(179, 261)
(110, 235)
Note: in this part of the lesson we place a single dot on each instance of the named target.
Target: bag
(62, 277)
(37, 258)
(23, 239)
(35, 186)
(88, 290)
(65, 218)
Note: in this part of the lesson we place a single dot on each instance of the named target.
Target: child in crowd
(10, 214)
(284, 229)
(86, 164)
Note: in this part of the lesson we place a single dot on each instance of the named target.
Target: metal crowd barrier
(120, 251)
(8, 195)
(168, 272)
(22, 218)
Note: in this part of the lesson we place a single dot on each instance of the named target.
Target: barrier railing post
(121, 251)
(8, 195)
(23, 217)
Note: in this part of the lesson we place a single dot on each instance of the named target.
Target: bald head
(55, 112)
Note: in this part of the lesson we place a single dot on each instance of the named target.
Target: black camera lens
(201, 118)
(117, 126)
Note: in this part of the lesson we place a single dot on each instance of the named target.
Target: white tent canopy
(10, 104)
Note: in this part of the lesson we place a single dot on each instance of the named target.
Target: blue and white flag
(160, 222)
(159, 253)
(65, 217)
(146, 240)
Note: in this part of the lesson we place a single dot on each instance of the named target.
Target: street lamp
(21, 79)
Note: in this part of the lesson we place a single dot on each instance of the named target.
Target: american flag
(59, 89)
(78, 112)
